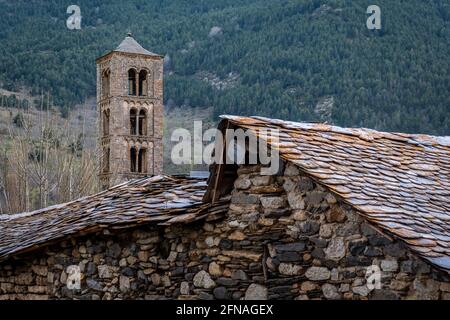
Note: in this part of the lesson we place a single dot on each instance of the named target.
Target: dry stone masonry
(284, 237)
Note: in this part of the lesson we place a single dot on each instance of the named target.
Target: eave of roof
(130, 46)
(159, 200)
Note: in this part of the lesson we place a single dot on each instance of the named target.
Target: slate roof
(159, 200)
(399, 182)
(130, 45)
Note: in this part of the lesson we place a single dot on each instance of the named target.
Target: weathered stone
(123, 262)
(221, 293)
(315, 198)
(114, 251)
(242, 183)
(445, 286)
(326, 231)
(294, 246)
(165, 281)
(389, 265)
(94, 285)
(308, 286)
(336, 249)
(289, 256)
(368, 230)
(318, 253)
(361, 290)
(243, 254)
(291, 170)
(318, 274)
(256, 292)
(305, 184)
(357, 247)
(261, 180)
(143, 256)
(215, 270)
(395, 250)
(156, 279)
(289, 184)
(373, 252)
(309, 227)
(330, 292)
(352, 261)
(239, 275)
(289, 269)
(445, 296)
(105, 272)
(237, 236)
(335, 214)
(37, 289)
(321, 243)
(272, 189)
(184, 288)
(227, 282)
(345, 287)
(265, 222)
(242, 198)
(300, 215)
(399, 285)
(330, 198)
(378, 240)
(347, 229)
(421, 267)
(425, 289)
(209, 241)
(40, 270)
(203, 280)
(124, 283)
(273, 202)
(24, 278)
(205, 296)
(296, 201)
(334, 274)
(383, 295)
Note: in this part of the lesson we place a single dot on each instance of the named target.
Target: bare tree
(45, 163)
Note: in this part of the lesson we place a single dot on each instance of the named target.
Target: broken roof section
(159, 200)
(399, 182)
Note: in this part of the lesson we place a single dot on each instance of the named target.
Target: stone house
(350, 214)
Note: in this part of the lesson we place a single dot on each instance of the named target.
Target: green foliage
(289, 54)
(18, 120)
(11, 101)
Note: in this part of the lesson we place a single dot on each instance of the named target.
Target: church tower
(130, 111)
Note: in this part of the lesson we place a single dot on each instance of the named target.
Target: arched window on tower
(142, 161)
(106, 156)
(106, 80)
(133, 158)
(132, 82)
(133, 122)
(143, 83)
(106, 118)
(142, 123)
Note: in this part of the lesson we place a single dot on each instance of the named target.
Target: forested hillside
(304, 60)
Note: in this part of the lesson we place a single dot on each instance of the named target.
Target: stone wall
(285, 237)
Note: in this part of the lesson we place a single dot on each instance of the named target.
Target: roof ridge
(366, 134)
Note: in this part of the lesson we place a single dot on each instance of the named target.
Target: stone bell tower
(130, 111)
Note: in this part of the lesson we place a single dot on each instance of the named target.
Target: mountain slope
(285, 59)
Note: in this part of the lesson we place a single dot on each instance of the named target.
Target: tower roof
(130, 45)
